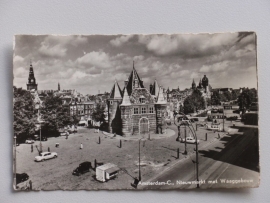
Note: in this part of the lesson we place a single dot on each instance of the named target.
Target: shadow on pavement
(245, 157)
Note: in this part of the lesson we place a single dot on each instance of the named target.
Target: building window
(136, 110)
(142, 100)
(143, 110)
(151, 110)
(111, 102)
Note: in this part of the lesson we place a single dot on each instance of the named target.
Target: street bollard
(177, 153)
(95, 163)
(30, 185)
(99, 140)
(218, 136)
(149, 136)
(49, 149)
(205, 136)
(120, 146)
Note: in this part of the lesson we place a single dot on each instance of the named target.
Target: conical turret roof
(126, 100)
(161, 99)
(116, 92)
(155, 89)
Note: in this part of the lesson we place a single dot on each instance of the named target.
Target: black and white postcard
(135, 112)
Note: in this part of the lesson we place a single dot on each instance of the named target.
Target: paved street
(230, 157)
(234, 157)
(156, 156)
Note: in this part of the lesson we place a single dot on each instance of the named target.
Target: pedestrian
(49, 149)
(81, 147)
(32, 148)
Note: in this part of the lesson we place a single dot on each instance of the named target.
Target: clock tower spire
(31, 79)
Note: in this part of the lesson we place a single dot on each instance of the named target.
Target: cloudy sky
(92, 63)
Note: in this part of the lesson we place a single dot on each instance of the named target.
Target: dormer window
(142, 100)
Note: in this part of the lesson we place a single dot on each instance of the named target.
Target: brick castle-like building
(134, 110)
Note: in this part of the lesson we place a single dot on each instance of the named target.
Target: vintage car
(214, 126)
(82, 168)
(45, 155)
(29, 141)
(190, 140)
(21, 177)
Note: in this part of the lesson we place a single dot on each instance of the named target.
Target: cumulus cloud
(188, 45)
(217, 67)
(20, 72)
(119, 41)
(98, 59)
(18, 59)
(52, 51)
(82, 62)
(55, 46)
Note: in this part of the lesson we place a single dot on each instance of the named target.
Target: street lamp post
(14, 175)
(185, 152)
(196, 149)
(140, 177)
(223, 118)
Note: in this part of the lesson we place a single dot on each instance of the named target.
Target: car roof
(45, 152)
(86, 162)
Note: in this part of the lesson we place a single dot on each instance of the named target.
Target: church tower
(205, 83)
(193, 85)
(31, 79)
(114, 115)
(200, 84)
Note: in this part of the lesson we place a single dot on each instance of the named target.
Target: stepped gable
(131, 81)
(116, 92)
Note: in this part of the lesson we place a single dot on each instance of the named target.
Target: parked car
(46, 155)
(21, 177)
(236, 111)
(214, 127)
(29, 141)
(190, 140)
(64, 133)
(37, 138)
(201, 124)
(232, 118)
(82, 168)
